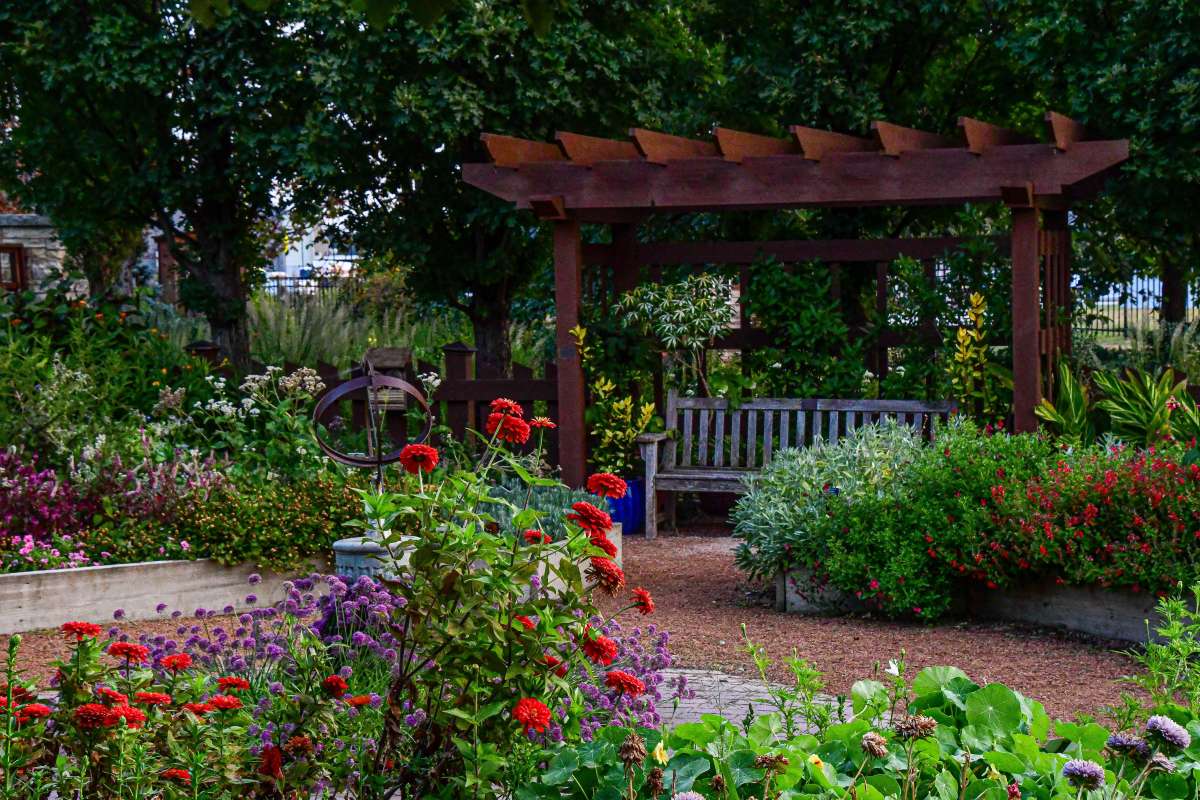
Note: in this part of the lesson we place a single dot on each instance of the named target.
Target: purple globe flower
(1126, 744)
(1083, 774)
(1168, 731)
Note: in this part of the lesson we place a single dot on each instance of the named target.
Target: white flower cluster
(304, 380)
(430, 381)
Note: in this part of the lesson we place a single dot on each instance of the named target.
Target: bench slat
(833, 426)
(702, 457)
(735, 440)
(784, 418)
(719, 440)
(768, 435)
(751, 437)
(685, 458)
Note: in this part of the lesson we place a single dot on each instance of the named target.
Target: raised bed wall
(1106, 613)
(46, 599)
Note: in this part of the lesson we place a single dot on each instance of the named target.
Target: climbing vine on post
(979, 385)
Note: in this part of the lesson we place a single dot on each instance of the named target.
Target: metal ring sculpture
(372, 383)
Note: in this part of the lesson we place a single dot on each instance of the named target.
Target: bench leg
(650, 458)
(672, 502)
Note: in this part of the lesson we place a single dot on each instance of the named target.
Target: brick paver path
(716, 693)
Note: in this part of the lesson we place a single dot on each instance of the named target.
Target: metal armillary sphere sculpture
(374, 384)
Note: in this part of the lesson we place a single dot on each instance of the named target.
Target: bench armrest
(653, 438)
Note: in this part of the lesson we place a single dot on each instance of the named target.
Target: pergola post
(1026, 318)
(568, 278)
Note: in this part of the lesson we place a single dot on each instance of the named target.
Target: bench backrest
(711, 434)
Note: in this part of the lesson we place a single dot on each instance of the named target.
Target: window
(12, 269)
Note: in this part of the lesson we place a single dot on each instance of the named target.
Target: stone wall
(43, 252)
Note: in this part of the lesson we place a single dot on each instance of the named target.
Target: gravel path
(702, 599)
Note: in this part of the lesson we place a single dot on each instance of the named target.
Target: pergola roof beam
(510, 151)
(1064, 130)
(816, 143)
(590, 149)
(737, 145)
(659, 148)
(896, 139)
(981, 135)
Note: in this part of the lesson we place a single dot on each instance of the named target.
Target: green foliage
(813, 355)
(551, 502)
(1071, 415)
(781, 518)
(684, 318)
(977, 383)
(1139, 406)
(983, 741)
(614, 421)
(1167, 663)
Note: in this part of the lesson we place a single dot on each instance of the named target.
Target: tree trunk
(1174, 292)
(493, 356)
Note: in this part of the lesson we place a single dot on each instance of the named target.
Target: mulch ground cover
(703, 599)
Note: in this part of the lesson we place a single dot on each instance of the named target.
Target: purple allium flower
(1127, 744)
(251, 599)
(160, 608)
(119, 614)
(1168, 731)
(1083, 774)
(254, 578)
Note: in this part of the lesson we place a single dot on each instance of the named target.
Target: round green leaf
(995, 707)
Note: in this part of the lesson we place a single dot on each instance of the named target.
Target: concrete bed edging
(1106, 613)
(48, 598)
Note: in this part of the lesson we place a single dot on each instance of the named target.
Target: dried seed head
(917, 726)
(718, 784)
(633, 750)
(771, 763)
(654, 781)
(874, 745)
(1161, 763)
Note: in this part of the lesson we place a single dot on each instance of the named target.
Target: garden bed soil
(703, 599)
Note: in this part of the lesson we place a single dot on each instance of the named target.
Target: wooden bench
(709, 447)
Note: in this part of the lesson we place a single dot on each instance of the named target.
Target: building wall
(43, 253)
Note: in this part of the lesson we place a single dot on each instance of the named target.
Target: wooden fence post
(568, 277)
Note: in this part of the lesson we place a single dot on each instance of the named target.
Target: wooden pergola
(583, 179)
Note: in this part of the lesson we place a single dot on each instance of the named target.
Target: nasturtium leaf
(977, 739)
(1005, 762)
(561, 768)
(866, 791)
(931, 679)
(946, 786)
(995, 706)
(1169, 786)
(742, 769)
(682, 771)
(886, 784)
(690, 733)
(765, 730)
(596, 753)
(869, 696)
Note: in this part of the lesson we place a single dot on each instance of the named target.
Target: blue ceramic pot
(630, 510)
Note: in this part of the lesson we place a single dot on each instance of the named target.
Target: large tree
(404, 105)
(130, 114)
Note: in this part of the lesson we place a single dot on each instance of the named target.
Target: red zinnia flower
(542, 422)
(134, 717)
(176, 774)
(513, 430)
(642, 601)
(418, 458)
(605, 484)
(272, 763)
(502, 405)
(112, 696)
(199, 709)
(608, 576)
(152, 698)
(593, 521)
(604, 544)
(232, 683)
(19, 693)
(359, 700)
(335, 685)
(81, 629)
(537, 537)
(526, 621)
(90, 716)
(602, 650)
(225, 702)
(298, 745)
(176, 662)
(532, 714)
(556, 664)
(136, 653)
(624, 683)
(33, 711)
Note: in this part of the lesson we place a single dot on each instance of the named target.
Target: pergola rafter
(579, 178)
